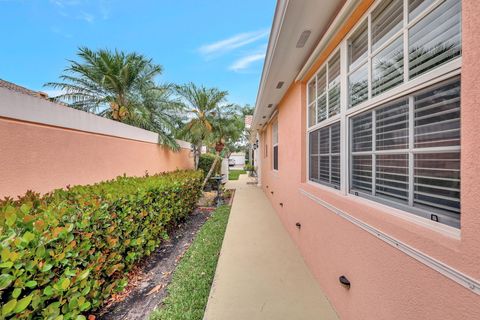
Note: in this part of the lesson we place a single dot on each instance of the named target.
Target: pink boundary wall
(386, 282)
(39, 157)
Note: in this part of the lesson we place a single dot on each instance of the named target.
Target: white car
(231, 162)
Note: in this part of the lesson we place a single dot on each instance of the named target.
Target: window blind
(387, 19)
(324, 158)
(275, 144)
(388, 67)
(436, 38)
(334, 85)
(407, 153)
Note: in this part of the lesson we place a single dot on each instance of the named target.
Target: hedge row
(205, 163)
(64, 253)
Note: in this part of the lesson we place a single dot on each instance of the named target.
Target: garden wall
(45, 145)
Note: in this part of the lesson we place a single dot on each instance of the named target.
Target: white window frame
(330, 155)
(275, 144)
(440, 73)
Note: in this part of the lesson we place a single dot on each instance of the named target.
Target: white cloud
(245, 62)
(234, 42)
(85, 16)
(105, 8)
(64, 3)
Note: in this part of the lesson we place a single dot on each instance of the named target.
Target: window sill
(385, 211)
(419, 252)
(440, 228)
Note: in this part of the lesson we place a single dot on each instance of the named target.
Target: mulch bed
(148, 280)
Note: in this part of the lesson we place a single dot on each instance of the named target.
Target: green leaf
(16, 293)
(40, 253)
(46, 267)
(7, 264)
(48, 291)
(10, 218)
(5, 255)
(23, 303)
(64, 283)
(8, 307)
(28, 236)
(85, 306)
(84, 274)
(25, 208)
(70, 273)
(31, 284)
(5, 280)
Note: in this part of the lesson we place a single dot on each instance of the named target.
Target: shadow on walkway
(260, 273)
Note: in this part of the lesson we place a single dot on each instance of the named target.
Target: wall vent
(303, 38)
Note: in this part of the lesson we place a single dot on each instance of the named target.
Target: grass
(234, 174)
(190, 287)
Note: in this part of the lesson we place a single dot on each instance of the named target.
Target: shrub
(249, 167)
(66, 252)
(205, 163)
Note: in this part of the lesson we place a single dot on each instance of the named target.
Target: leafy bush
(205, 163)
(249, 167)
(66, 252)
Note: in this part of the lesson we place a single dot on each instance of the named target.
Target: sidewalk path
(260, 273)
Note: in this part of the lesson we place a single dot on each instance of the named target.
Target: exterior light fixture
(270, 105)
(344, 281)
(280, 84)
(298, 225)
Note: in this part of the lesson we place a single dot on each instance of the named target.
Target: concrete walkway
(260, 273)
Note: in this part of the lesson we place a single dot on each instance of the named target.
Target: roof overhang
(285, 61)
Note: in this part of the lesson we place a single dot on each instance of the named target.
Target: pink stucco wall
(386, 283)
(41, 158)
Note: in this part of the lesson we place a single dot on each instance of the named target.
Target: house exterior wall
(56, 151)
(390, 280)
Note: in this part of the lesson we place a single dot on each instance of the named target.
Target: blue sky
(211, 42)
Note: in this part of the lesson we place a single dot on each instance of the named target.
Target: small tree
(226, 130)
(202, 105)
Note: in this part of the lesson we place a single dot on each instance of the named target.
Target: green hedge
(64, 253)
(205, 163)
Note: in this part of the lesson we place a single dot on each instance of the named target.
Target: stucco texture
(42, 158)
(386, 283)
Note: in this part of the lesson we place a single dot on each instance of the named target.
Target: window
(407, 153)
(401, 119)
(436, 38)
(325, 155)
(275, 145)
(401, 48)
(324, 92)
(357, 66)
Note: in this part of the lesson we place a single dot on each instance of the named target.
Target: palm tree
(120, 86)
(157, 111)
(227, 129)
(202, 105)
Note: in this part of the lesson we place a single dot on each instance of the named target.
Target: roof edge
(277, 23)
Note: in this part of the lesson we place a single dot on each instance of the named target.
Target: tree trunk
(211, 170)
(197, 151)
